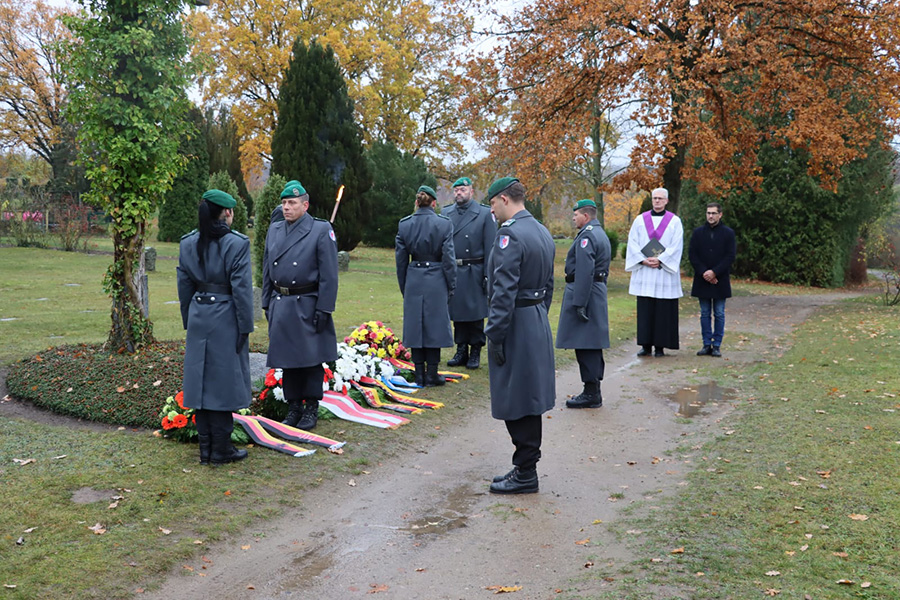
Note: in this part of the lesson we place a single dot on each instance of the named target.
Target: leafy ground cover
(796, 497)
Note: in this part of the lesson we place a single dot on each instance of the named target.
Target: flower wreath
(180, 423)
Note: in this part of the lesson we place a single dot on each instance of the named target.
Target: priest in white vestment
(656, 279)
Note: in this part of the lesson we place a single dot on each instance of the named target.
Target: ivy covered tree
(178, 213)
(127, 72)
(269, 197)
(317, 141)
(396, 177)
(223, 181)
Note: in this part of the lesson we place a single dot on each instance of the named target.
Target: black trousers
(526, 437)
(211, 422)
(590, 364)
(303, 383)
(469, 332)
(431, 356)
(657, 322)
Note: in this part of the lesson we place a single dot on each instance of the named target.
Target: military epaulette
(444, 217)
(589, 228)
(507, 222)
(405, 218)
(323, 220)
(488, 206)
(190, 233)
(239, 234)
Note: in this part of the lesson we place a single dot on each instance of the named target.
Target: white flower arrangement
(353, 363)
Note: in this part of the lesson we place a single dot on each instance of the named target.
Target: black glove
(241, 340)
(266, 314)
(320, 320)
(581, 311)
(497, 353)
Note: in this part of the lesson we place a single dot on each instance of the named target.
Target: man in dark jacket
(473, 234)
(712, 251)
(520, 343)
(583, 318)
(300, 285)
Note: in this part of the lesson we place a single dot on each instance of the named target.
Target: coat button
(295, 264)
(293, 282)
(275, 263)
(213, 299)
(278, 297)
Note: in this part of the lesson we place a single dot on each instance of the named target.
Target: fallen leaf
(845, 582)
(583, 542)
(420, 570)
(503, 589)
(596, 522)
(352, 483)
(840, 554)
(790, 552)
(376, 588)
(157, 383)
(9, 586)
(188, 568)
(120, 389)
(250, 587)
(98, 529)
(114, 504)
(29, 530)
(856, 517)
(804, 547)
(865, 584)
(227, 492)
(247, 547)
(677, 551)
(656, 560)
(334, 450)
(165, 531)
(198, 542)
(588, 564)
(772, 592)
(23, 461)
(773, 573)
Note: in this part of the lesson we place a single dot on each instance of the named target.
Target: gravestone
(257, 303)
(150, 258)
(343, 260)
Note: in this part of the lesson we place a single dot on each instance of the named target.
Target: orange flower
(179, 398)
(167, 424)
(270, 378)
(180, 421)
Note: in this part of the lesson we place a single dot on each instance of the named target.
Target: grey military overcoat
(588, 257)
(521, 268)
(297, 255)
(473, 236)
(426, 272)
(216, 375)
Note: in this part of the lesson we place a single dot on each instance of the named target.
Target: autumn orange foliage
(707, 81)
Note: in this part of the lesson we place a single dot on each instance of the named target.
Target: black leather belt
(424, 259)
(522, 302)
(601, 277)
(297, 291)
(469, 261)
(214, 288)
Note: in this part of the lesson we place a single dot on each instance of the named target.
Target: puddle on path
(692, 399)
(452, 514)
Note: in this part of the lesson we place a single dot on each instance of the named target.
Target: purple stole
(657, 233)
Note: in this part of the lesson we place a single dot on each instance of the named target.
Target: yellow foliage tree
(394, 54)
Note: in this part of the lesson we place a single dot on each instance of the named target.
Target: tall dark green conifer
(224, 147)
(178, 213)
(317, 141)
(397, 175)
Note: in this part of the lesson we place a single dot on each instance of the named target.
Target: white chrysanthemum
(278, 393)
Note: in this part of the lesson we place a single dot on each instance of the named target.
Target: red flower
(167, 424)
(347, 340)
(328, 374)
(270, 378)
(372, 335)
(180, 421)
(262, 394)
(194, 419)
(379, 323)
(179, 398)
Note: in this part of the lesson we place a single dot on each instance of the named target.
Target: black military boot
(294, 413)
(420, 374)
(474, 357)
(461, 357)
(520, 482)
(589, 398)
(310, 415)
(432, 378)
(223, 451)
(505, 476)
(205, 448)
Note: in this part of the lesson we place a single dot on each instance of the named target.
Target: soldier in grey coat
(473, 235)
(300, 285)
(520, 343)
(216, 295)
(426, 272)
(583, 319)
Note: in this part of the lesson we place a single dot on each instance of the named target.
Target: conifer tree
(178, 213)
(222, 181)
(269, 197)
(317, 142)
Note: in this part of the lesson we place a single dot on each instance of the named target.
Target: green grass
(815, 440)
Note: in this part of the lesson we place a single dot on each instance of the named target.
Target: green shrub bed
(87, 382)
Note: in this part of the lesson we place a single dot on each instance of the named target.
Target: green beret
(462, 181)
(427, 190)
(220, 198)
(293, 189)
(500, 185)
(585, 203)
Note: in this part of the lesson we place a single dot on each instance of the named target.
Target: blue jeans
(716, 306)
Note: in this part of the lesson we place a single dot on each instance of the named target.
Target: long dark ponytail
(207, 216)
